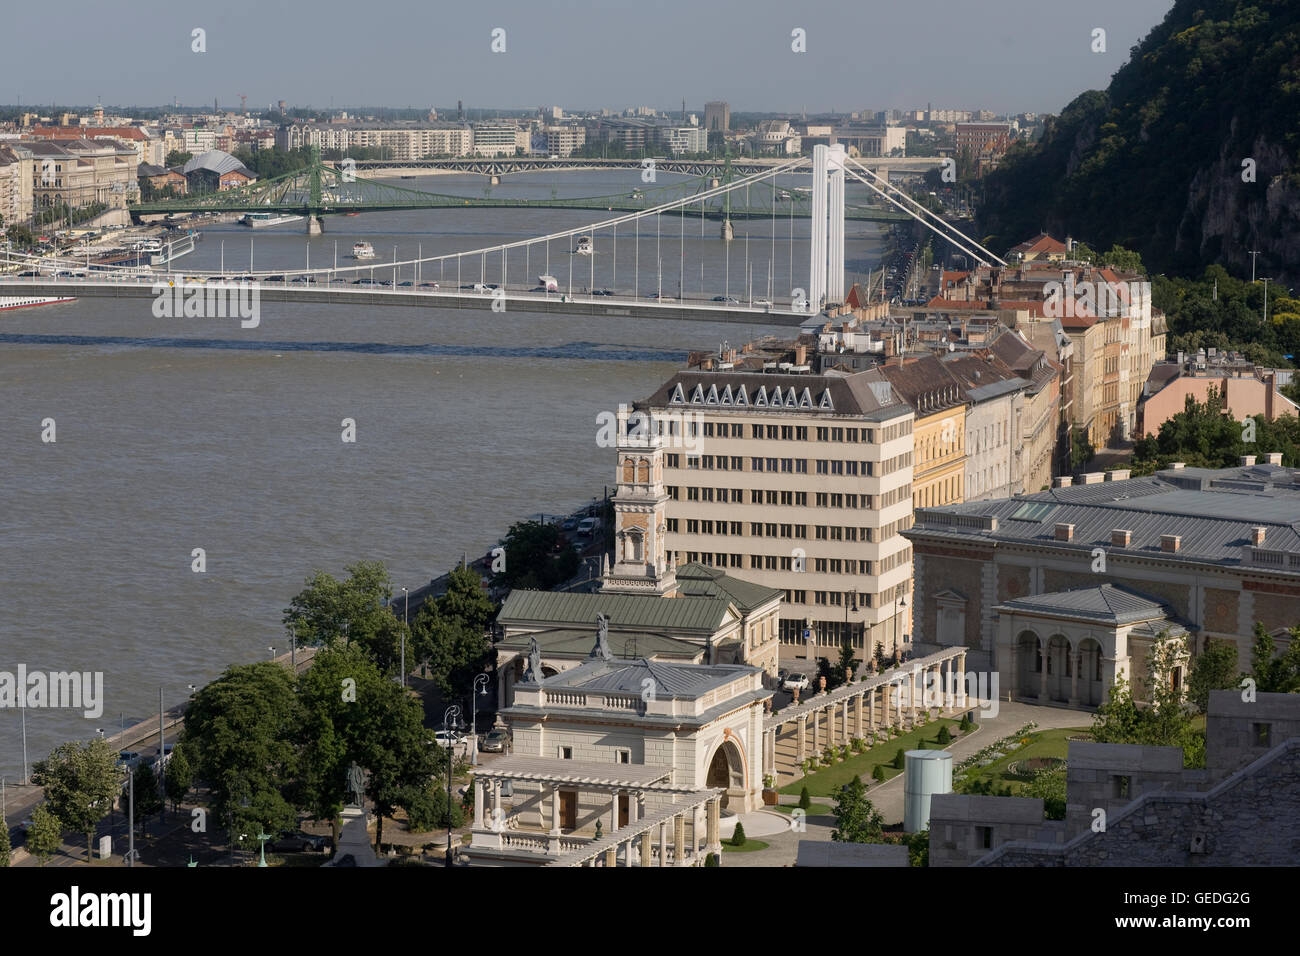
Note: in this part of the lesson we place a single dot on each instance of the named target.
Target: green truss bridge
(323, 189)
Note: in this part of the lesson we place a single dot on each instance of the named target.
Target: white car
(762, 303)
(796, 682)
(446, 738)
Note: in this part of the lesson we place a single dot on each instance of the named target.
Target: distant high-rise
(717, 116)
(460, 112)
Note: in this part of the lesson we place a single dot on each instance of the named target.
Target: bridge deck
(609, 306)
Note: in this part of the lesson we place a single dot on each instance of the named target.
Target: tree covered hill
(1155, 162)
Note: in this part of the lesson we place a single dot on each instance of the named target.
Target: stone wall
(1093, 771)
(1250, 819)
(1240, 731)
(959, 824)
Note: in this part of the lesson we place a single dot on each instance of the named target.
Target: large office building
(797, 481)
(1062, 592)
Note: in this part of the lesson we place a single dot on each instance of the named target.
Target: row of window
(791, 466)
(780, 529)
(796, 499)
(778, 562)
(784, 432)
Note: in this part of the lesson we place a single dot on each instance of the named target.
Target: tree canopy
(81, 780)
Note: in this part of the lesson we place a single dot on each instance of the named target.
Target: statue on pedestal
(601, 651)
(356, 786)
(533, 675)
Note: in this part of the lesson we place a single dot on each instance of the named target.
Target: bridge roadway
(346, 294)
(503, 166)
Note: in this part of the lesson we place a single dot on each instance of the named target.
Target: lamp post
(406, 623)
(480, 690)
(898, 610)
(263, 837)
(272, 650)
(450, 719)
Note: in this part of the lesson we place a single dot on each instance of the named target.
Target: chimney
(1120, 537)
(1275, 458)
(1247, 461)
(800, 354)
(1178, 465)
(1093, 477)
(1064, 532)
(1064, 481)
(1170, 542)
(1119, 474)
(1257, 536)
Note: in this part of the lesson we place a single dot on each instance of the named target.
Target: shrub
(805, 799)
(769, 781)
(965, 725)
(899, 760)
(878, 772)
(738, 838)
(844, 752)
(828, 756)
(945, 736)
(711, 860)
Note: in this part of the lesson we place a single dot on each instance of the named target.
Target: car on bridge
(429, 285)
(730, 300)
(762, 303)
(601, 292)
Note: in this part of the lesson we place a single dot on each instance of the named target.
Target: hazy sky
(1003, 55)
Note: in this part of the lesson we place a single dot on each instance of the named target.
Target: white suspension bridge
(424, 280)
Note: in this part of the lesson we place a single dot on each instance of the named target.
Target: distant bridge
(508, 165)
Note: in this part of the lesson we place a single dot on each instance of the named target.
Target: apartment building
(563, 140)
(1244, 389)
(500, 139)
(939, 470)
(795, 481)
(684, 139)
(17, 182)
(81, 172)
(402, 143)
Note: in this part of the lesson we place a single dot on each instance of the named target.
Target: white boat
(363, 250)
(585, 247)
(549, 283)
(259, 220)
(26, 301)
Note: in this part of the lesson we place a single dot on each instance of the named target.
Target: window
(692, 494)
(624, 756)
(566, 753)
(737, 431)
(787, 432)
(772, 432)
(673, 460)
(1262, 734)
(756, 529)
(984, 838)
(823, 434)
(708, 429)
(1122, 785)
(756, 431)
(823, 466)
(756, 464)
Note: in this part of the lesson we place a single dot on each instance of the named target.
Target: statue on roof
(533, 675)
(601, 651)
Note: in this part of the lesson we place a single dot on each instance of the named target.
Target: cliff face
(1154, 162)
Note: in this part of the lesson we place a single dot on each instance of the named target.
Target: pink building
(1246, 392)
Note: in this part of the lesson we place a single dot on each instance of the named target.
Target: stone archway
(727, 771)
(1059, 668)
(1091, 685)
(1028, 663)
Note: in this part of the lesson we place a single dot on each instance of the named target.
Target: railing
(565, 697)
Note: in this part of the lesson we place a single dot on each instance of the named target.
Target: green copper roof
(696, 580)
(625, 611)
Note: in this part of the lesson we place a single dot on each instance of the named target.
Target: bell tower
(641, 565)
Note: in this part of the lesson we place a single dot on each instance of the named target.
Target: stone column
(663, 842)
(961, 680)
(911, 695)
(848, 734)
(496, 803)
(1074, 678)
(613, 811)
(679, 840)
(803, 726)
(816, 731)
(714, 814)
(611, 856)
(871, 710)
(555, 810)
(1042, 675)
(647, 847)
(945, 680)
(697, 831)
(480, 798)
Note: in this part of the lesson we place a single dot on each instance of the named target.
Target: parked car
(497, 741)
(128, 758)
(570, 523)
(300, 843)
(796, 682)
(587, 526)
(447, 738)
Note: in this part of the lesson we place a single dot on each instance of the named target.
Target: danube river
(177, 434)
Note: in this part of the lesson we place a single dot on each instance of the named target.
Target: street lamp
(263, 837)
(272, 650)
(406, 624)
(450, 720)
(898, 610)
(481, 679)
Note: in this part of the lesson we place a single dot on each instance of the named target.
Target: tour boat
(259, 220)
(549, 283)
(26, 301)
(363, 250)
(585, 247)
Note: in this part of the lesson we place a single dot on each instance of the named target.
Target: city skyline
(838, 72)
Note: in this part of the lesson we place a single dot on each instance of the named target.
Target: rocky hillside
(1155, 162)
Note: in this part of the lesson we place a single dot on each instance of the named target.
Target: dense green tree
(147, 799)
(396, 750)
(1215, 668)
(179, 777)
(844, 666)
(918, 848)
(1205, 435)
(538, 557)
(738, 835)
(1165, 720)
(177, 157)
(856, 819)
(81, 782)
(240, 734)
(5, 848)
(45, 835)
(1274, 673)
(356, 610)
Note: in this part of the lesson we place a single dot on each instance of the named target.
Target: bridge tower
(727, 232)
(314, 227)
(826, 246)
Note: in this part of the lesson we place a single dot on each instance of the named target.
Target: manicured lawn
(748, 846)
(1045, 743)
(816, 810)
(827, 781)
